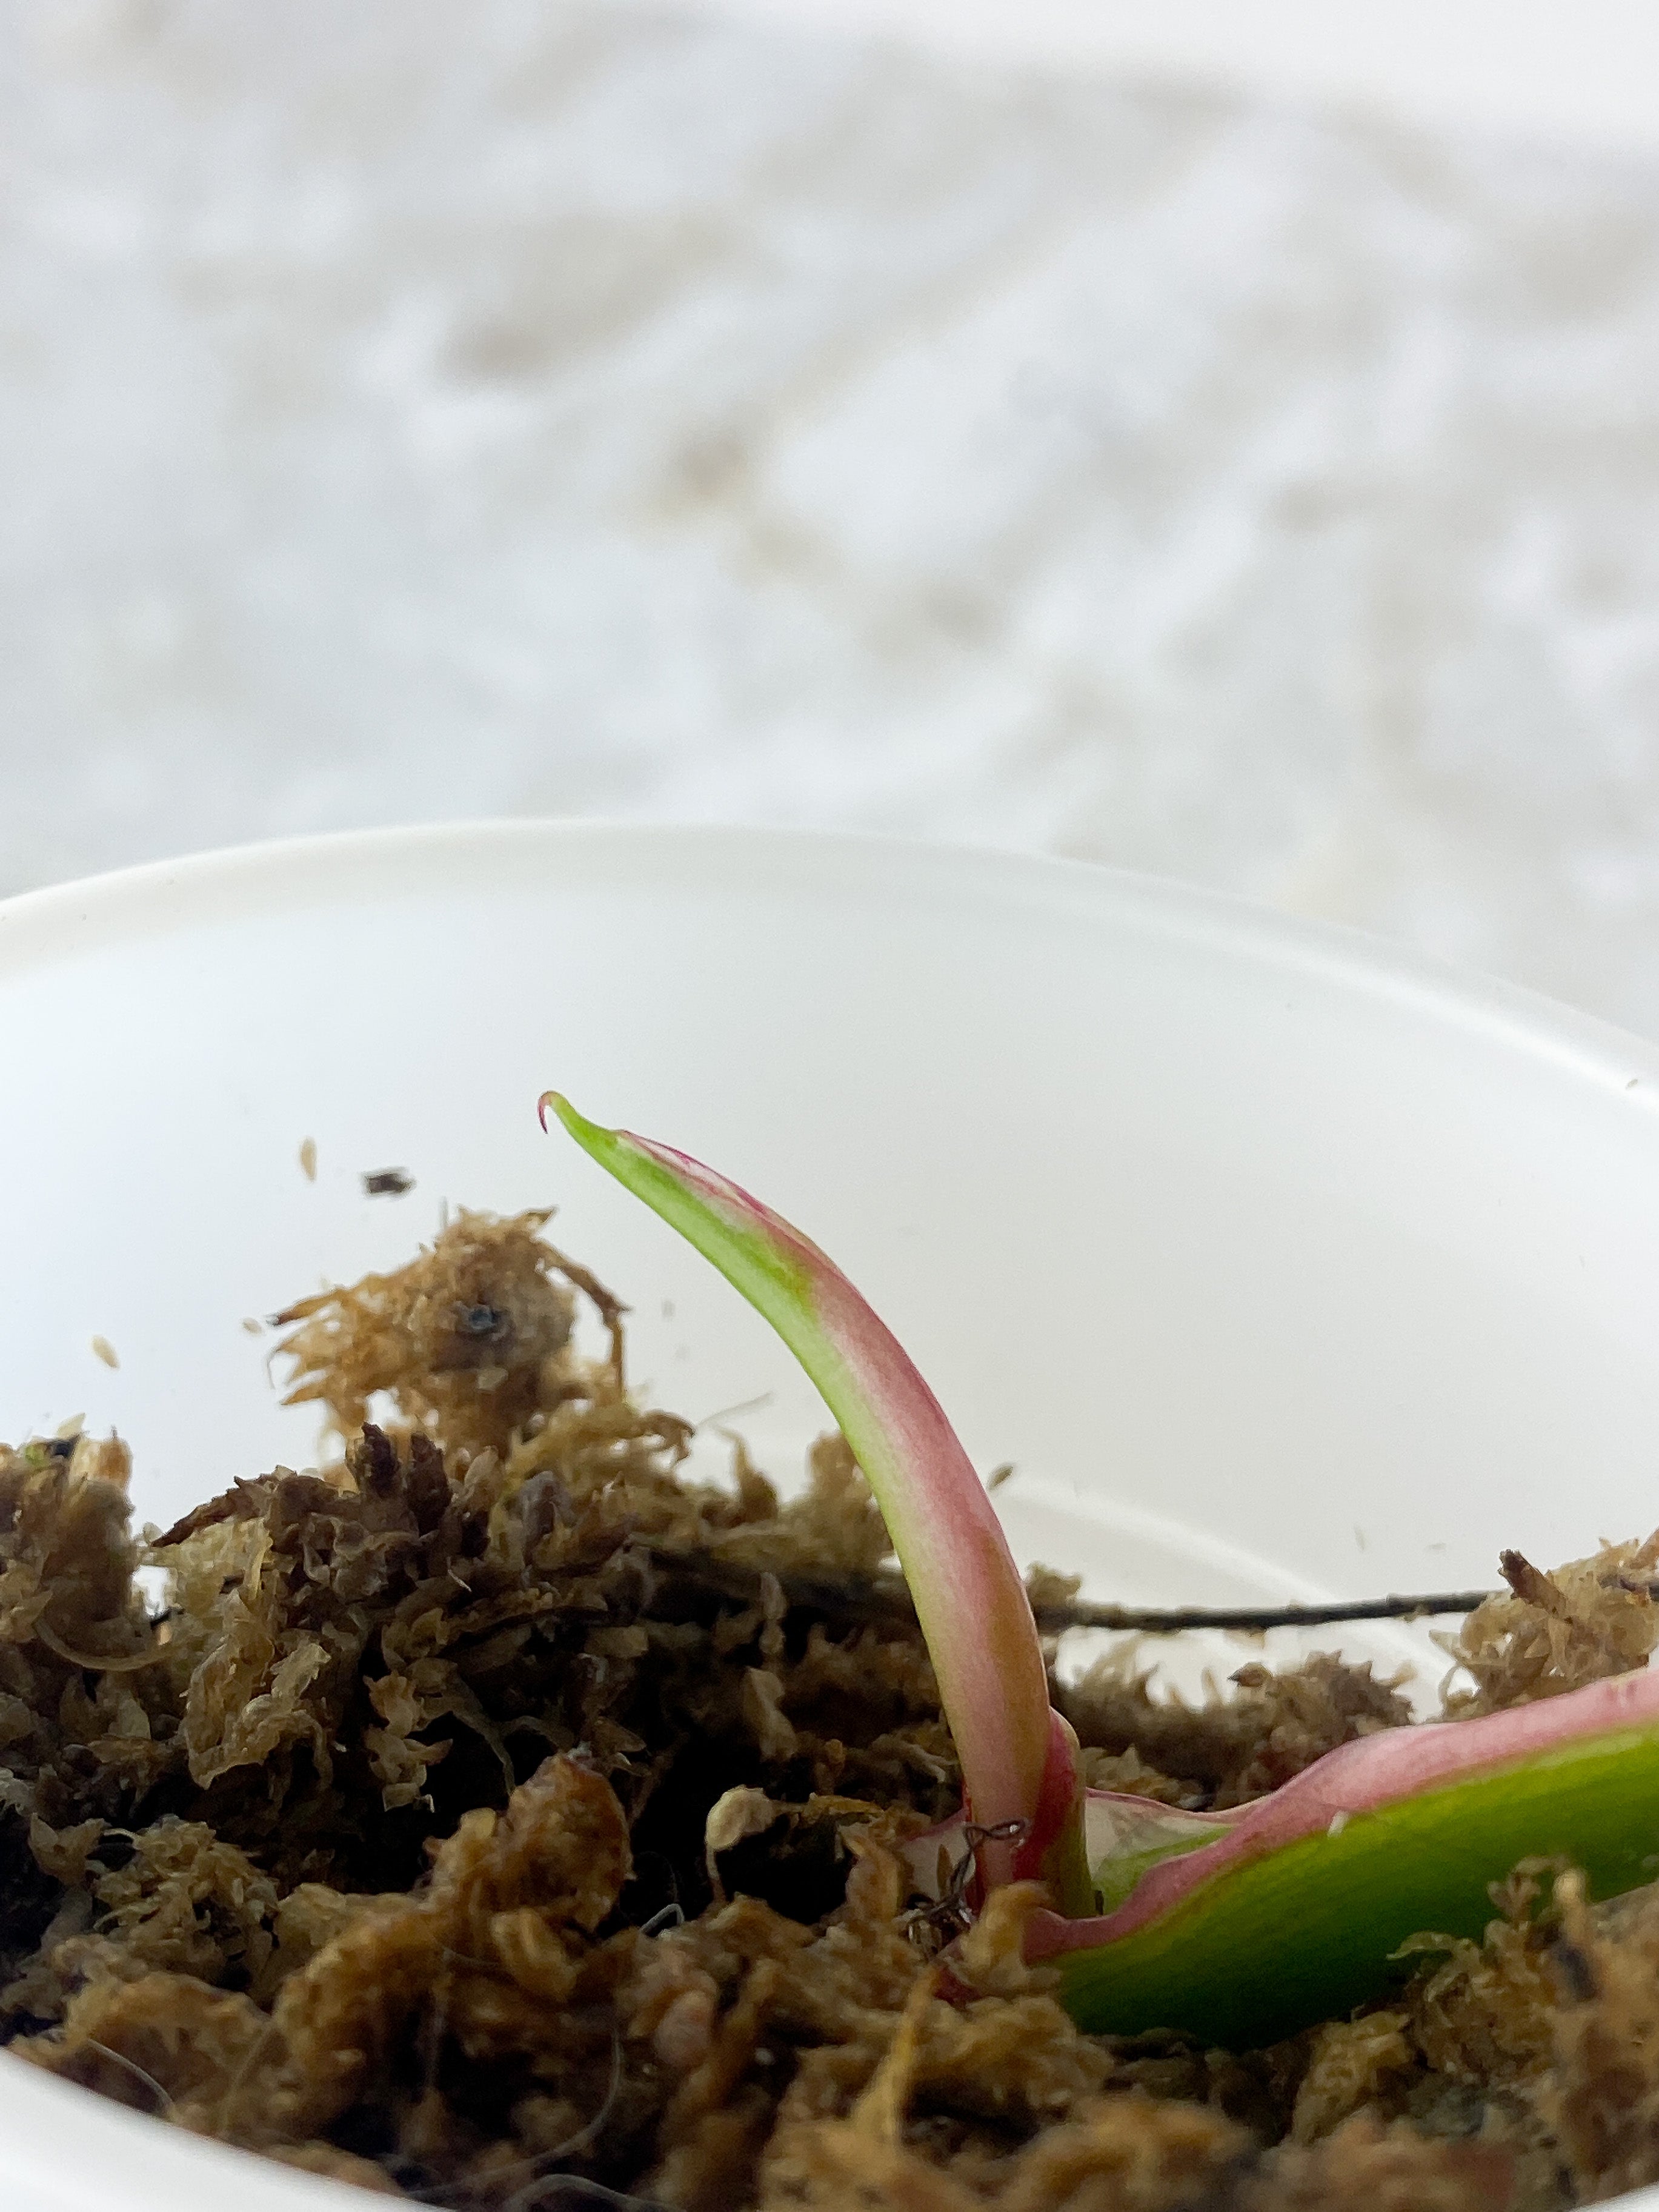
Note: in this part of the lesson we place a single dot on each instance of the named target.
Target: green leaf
(1306, 1932)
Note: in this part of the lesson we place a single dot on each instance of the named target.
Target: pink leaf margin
(1356, 1777)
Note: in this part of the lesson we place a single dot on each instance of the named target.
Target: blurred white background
(1068, 427)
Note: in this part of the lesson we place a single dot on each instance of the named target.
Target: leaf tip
(559, 1104)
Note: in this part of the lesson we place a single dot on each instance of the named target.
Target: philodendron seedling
(1237, 1927)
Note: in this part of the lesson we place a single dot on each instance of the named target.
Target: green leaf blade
(1307, 1932)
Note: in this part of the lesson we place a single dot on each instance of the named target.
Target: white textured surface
(1578, 75)
(409, 411)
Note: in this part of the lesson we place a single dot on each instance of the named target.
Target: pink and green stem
(1235, 1927)
(1018, 1756)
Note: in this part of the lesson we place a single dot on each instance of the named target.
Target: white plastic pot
(1282, 1263)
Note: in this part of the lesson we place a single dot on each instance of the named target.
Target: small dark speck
(1631, 1084)
(386, 1183)
(480, 1321)
(668, 1309)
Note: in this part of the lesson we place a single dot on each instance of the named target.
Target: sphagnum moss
(383, 1851)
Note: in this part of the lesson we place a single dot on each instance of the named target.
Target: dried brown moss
(1221, 1753)
(461, 1338)
(1556, 1631)
(383, 1852)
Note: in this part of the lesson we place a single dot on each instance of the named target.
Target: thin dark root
(1253, 1619)
(885, 1597)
